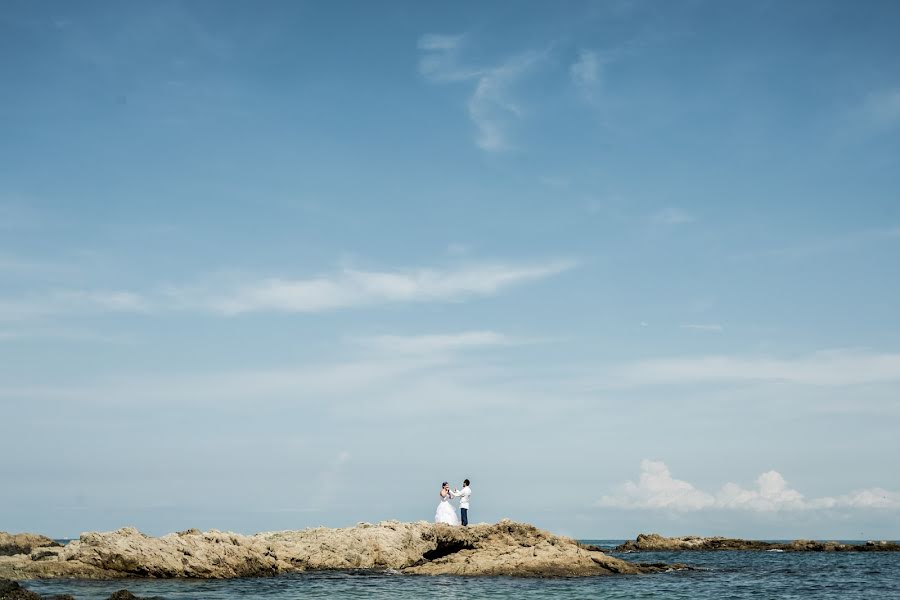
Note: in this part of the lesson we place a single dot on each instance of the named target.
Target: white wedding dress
(446, 513)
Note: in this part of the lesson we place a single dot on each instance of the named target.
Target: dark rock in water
(654, 542)
(126, 595)
(7, 586)
(10, 590)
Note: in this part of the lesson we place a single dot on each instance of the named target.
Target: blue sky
(628, 266)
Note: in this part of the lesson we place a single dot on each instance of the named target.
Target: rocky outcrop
(505, 548)
(654, 542)
(22, 543)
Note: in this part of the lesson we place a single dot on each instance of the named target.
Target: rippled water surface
(723, 575)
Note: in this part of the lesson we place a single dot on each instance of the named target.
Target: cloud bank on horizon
(656, 489)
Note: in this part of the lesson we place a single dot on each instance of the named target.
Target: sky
(627, 266)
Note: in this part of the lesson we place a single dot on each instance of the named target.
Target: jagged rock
(22, 543)
(505, 548)
(656, 543)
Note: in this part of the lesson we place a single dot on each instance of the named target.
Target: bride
(445, 512)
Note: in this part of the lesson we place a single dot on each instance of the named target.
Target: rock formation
(654, 542)
(505, 548)
(22, 543)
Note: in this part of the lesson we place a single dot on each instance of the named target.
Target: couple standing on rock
(445, 512)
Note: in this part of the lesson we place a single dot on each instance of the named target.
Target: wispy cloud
(436, 41)
(293, 383)
(438, 61)
(672, 216)
(458, 249)
(356, 288)
(65, 302)
(586, 72)
(656, 489)
(837, 243)
(433, 343)
(348, 288)
(825, 368)
(491, 106)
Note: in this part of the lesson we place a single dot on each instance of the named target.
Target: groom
(463, 495)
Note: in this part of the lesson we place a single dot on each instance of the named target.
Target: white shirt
(463, 496)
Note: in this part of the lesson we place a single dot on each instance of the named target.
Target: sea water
(720, 575)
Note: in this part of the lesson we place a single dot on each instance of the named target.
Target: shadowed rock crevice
(446, 548)
(23, 543)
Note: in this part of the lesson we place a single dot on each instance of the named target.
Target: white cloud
(347, 288)
(490, 107)
(825, 368)
(771, 493)
(434, 343)
(353, 288)
(703, 327)
(658, 490)
(672, 216)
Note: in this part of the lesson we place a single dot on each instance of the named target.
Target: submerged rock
(505, 548)
(126, 595)
(10, 590)
(654, 542)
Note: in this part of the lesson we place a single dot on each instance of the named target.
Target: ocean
(721, 575)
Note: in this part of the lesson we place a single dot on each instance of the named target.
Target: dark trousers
(464, 513)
